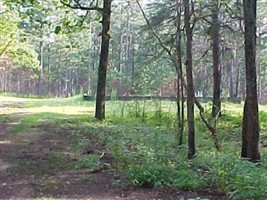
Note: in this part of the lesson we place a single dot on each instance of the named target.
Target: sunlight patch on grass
(66, 110)
(233, 107)
(16, 99)
(263, 108)
(238, 108)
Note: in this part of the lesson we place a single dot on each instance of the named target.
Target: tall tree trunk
(231, 81)
(48, 90)
(216, 106)
(190, 84)
(179, 71)
(259, 67)
(237, 82)
(103, 62)
(41, 64)
(132, 67)
(250, 127)
(119, 58)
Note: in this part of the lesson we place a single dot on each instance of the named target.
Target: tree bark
(103, 62)
(216, 51)
(190, 84)
(179, 72)
(41, 64)
(250, 126)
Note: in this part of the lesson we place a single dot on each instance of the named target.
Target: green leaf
(58, 29)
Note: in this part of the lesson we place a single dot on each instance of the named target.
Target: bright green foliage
(263, 120)
(24, 57)
(240, 179)
(13, 43)
(154, 175)
(90, 162)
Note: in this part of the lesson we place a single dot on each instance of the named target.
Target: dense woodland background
(49, 49)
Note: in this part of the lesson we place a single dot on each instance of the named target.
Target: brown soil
(28, 172)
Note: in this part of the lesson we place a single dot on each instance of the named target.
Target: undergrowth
(147, 155)
(138, 141)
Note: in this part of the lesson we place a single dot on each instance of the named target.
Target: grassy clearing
(140, 138)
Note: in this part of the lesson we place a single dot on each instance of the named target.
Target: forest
(133, 99)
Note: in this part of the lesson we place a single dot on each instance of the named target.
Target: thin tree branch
(233, 14)
(263, 33)
(5, 48)
(208, 125)
(83, 19)
(152, 29)
(81, 7)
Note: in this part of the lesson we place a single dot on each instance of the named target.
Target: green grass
(33, 120)
(5, 119)
(141, 139)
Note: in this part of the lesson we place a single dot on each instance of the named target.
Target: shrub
(150, 175)
(240, 179)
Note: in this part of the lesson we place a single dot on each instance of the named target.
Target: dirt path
(30, 169)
